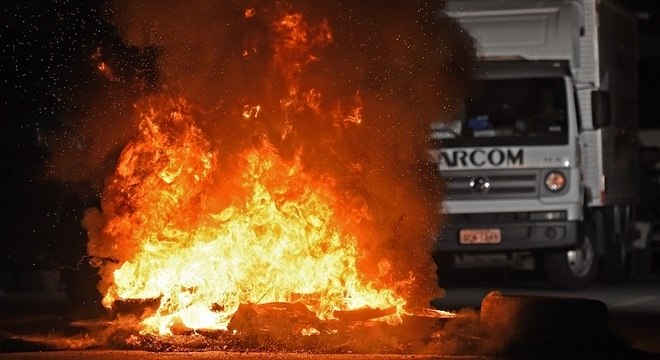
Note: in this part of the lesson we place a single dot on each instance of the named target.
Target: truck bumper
(515, 234)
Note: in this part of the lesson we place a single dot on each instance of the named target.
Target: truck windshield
(525, 111)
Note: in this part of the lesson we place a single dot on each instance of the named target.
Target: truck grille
(491, 184)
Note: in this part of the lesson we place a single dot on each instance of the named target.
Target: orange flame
(279, 240)
(202, 218)
(102, 66)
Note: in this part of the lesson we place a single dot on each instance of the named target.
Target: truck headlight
(555, 181)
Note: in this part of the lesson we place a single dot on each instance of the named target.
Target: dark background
(49, 75)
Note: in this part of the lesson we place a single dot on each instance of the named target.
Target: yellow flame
(278, 240)
(251, 111)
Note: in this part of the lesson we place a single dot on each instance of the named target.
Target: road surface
(633, 309)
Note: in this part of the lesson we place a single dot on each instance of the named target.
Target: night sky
(46, 72)
(49, 53)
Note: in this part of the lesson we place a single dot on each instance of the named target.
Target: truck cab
(539, 160)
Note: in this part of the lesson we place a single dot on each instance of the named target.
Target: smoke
(348, 86)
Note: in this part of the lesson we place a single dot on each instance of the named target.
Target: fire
(286, 164)
(278, 239)
(103, 66)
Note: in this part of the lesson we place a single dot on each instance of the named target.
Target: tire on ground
(550, 327)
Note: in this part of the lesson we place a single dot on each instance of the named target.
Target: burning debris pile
(281, 159)
(292, 327)
(277, 235)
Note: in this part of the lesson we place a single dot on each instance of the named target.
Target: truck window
(525, 111)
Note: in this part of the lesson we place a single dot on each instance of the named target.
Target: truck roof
(532, 30)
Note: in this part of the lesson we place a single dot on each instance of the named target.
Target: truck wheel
(573, 269)
(617, 243)
(640, 259)
(615, 260)
(445, 269)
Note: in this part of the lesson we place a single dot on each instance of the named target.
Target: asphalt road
(633, 310)
(634, 307)
(211, 355)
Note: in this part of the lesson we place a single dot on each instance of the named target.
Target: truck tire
(641, 257)
(445, 269)
(617, 244)
(615, 261)
(573, 269)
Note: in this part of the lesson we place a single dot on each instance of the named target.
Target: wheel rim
(581, 259)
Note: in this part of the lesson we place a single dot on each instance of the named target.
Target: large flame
(280, 239)
(293, 172)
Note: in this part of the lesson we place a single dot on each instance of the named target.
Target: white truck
(540, 163)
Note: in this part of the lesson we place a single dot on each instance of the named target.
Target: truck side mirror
(601, 110)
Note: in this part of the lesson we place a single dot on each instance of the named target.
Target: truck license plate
(480, 236)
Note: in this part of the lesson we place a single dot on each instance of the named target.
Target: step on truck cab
(539, 164)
